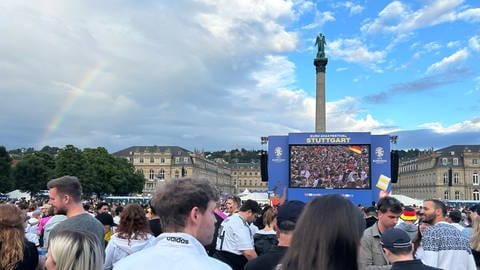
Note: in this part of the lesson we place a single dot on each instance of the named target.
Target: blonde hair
(73, 250)
(269, 217)
(12, 236)
(475, 241)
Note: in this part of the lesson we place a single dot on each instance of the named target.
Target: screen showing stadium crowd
(330, 166)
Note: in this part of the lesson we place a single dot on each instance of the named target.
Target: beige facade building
(428, 175)
(247, 176)
(162, 163)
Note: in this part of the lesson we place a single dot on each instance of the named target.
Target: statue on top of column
(320, 43)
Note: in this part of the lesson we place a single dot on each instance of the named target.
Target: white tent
(260, 197)
(17, 194)
(407, 201)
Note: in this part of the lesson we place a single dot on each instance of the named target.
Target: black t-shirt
(30, 257)
(267, 261)
(155, 226)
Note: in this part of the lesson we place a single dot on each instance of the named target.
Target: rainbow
(86, 81)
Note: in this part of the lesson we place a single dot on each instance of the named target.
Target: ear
(194, 214)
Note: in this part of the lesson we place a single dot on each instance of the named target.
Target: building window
(130, 159)
(250, 182)
(445, 195)
(162, 160)
(455, 161)
(457, 195)
(455, 178)
(151, 175)
(444, 161)
(474, 161)
(177, 174)
(476, 195)
(475, 179)
(152, 160)
(177, 160)
(184, 172)
(161, 174)
(141, 160)
(185, 160)
(234, 173)
(445, 177)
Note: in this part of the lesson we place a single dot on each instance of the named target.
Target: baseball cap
(288, 213)
(395, 238)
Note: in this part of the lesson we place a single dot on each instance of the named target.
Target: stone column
(320, 116)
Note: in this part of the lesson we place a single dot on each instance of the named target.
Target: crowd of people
(187, 225)
(333, 166)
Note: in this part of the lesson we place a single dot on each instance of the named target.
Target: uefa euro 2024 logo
(278, 152)
(379, 152)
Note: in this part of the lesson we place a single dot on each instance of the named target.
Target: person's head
(12, 236)
(187, 205)
(409, 215)
(433, 211)
(107, 221)
(44, 208)
(396, 244)
(64, 192)
(370, 211)
(249, 210)
(454, 216)
(118, 210)
(288, 214)
(84, 251)
(269, 217)
(103, 207)
(388, 210)
(327, 235)
(233, 204)
(133, 222)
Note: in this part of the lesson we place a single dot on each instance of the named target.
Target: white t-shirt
(235, 235)
(172, 251)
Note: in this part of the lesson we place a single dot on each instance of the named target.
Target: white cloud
(470, 125)
(320, 19)
(345, 115)
(453, 44)
(398, 17)
(449, 61)
(474, 43)
(352, 7)
(340, 69)
(432, 46)
(470, 15)
(354, 51)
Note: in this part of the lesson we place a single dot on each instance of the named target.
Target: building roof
(459, 148)
(174, 150)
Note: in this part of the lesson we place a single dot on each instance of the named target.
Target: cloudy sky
(219, 74)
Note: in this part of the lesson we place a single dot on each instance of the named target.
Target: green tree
(5, 170)
(127, 180)
(69, 161)
(105, 174)
(99, 171)
(32, 173)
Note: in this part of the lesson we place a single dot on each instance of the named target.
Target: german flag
(356, 149)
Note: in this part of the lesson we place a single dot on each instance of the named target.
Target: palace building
(162, 163)
(247, 176)
(450, 173)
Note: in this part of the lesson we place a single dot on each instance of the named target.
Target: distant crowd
(188, 225)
